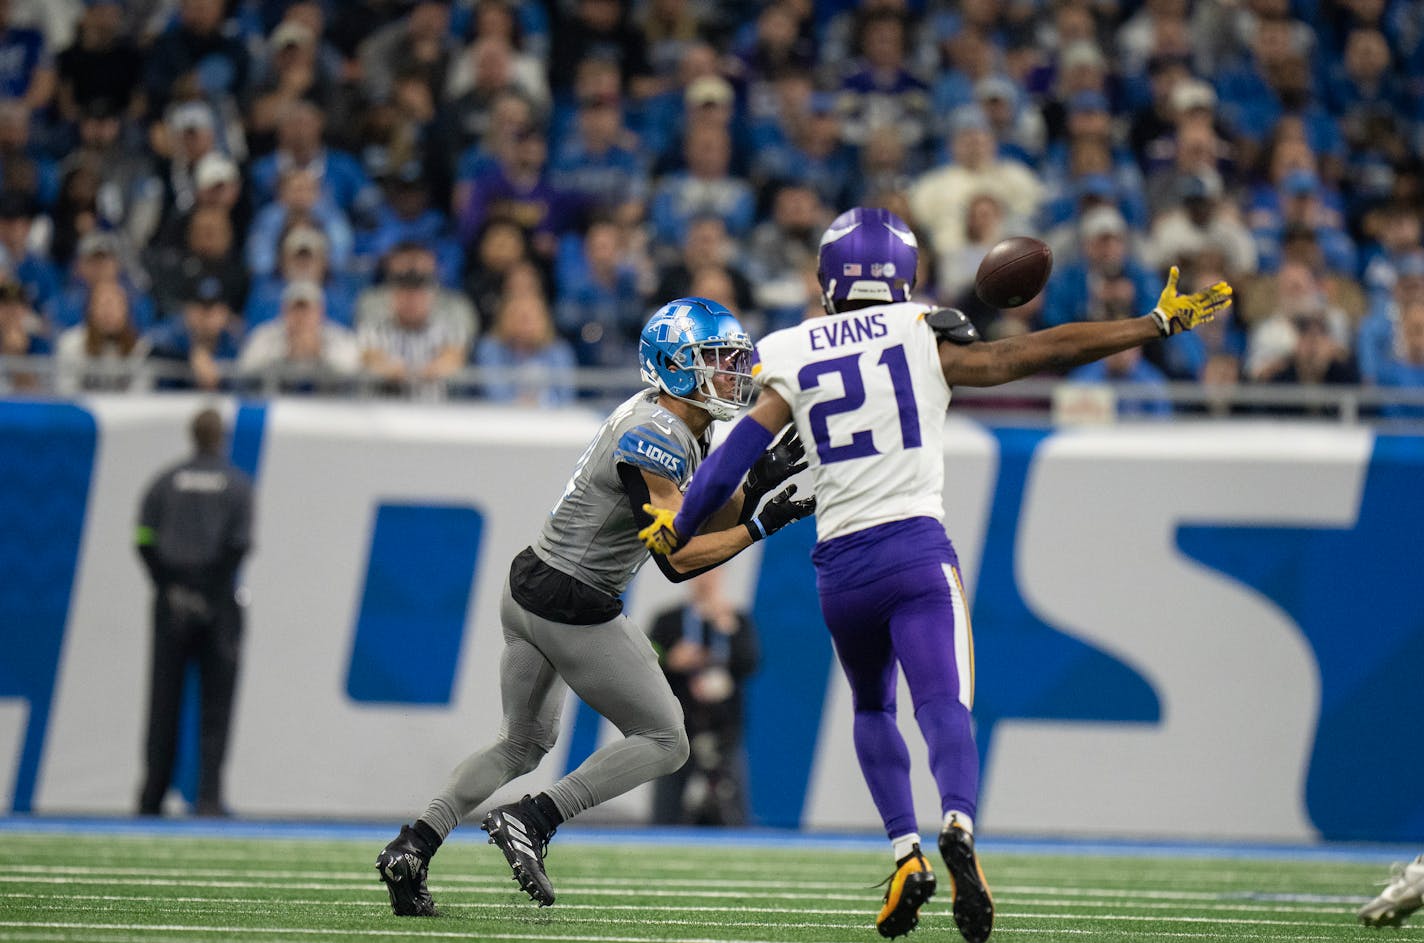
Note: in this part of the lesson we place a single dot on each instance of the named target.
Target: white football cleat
(1403, 896)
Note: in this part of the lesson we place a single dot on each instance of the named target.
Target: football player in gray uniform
(564, 625)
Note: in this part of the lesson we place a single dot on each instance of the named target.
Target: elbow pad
(953, 325)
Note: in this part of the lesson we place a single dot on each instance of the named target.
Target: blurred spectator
(708, 649)
(295, 70)
(419, 43)
(102, 65)
(1300, 302)
(208, 251)
(780, 249)
(668, 27)
(775, 44)
(299, 200)
(304, 258)
(1203, 220)
(412, 267)
(598, 162)
(880, 94)
(1077, 288)
(886, 166)
(510, 116)
(105, 351)
(24, 167)
(970, 59)
(406, 342)
(1017, 126)
(217, 183)
(940, 197)
(599, 28)
(1080, 67)
(983, 229)
(532, 365)
(706, 188)
(1378, 332)
(493, 62)
(599, 308)
(707, 245)
(342, 181)
(26, 70)
(195, 58)
(1192, 149)
(21, 335)
(19, 257)
(803, 144)
(1156, 118)
(1400, 233)
(98, 260)
(519, 189)
(405, 215)
(197, 350)
(1299, 202)
(303, 350)
(1315, 358)
(1405, 369)
(500, 246)
(130, 194)
(188, 135)
(1130, 367)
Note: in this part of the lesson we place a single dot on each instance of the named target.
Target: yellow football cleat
(912, 884)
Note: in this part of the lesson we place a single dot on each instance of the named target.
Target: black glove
(779, 512)
(776, 464)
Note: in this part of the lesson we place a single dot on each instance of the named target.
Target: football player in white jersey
(868, 386)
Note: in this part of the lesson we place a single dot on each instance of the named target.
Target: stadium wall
(1196, 630)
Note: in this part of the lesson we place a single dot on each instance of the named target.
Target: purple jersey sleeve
(717, 477)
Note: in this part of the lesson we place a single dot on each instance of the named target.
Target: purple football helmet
(867, 254)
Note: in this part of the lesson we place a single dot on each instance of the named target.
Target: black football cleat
(522, 832)
(402, 866)
(973, 906)
(912, 884)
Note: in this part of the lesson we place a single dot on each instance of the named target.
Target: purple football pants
(892, 599)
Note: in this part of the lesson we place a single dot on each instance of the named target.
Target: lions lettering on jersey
(645, 448)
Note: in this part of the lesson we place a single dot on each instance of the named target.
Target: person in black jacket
(194, 528)
(707, 649)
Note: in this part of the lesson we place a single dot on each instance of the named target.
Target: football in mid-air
(1013, 272)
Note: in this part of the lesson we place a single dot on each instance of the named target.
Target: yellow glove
(1177, 313)
(659, 537)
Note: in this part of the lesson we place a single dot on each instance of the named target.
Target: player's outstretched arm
(719, 476)
(1069, 345)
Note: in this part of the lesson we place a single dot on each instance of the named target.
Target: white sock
(902, 846)
(960, 819)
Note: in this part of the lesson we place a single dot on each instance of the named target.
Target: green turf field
(155, 887)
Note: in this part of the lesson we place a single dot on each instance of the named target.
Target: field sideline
(115, 881)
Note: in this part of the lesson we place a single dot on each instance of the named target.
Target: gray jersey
(591, 533)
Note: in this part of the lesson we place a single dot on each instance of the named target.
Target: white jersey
(868, 398)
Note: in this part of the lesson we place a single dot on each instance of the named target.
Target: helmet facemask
(726, 360)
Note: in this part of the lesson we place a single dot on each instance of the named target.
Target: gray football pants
(613, 668)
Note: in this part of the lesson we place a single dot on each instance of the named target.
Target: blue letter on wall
(413, 606)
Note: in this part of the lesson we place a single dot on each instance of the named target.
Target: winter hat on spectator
(302, 291)
(1081, 53)
(212, 169)
(996, 88)
(1088, 101)
(304, 239)
(1300, 182)
(1192, 93)
(97, 243)
(204, 290)
(191, 116)
(1103, 221)
(291, 33)
(709, 90)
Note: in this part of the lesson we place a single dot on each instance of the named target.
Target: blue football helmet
(867, 254)
(687, 344)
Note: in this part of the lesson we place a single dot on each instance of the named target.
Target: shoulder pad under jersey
(953, 325)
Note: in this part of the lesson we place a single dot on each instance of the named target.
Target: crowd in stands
(194, 192)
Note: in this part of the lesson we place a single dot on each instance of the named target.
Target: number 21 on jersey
(857, 371)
